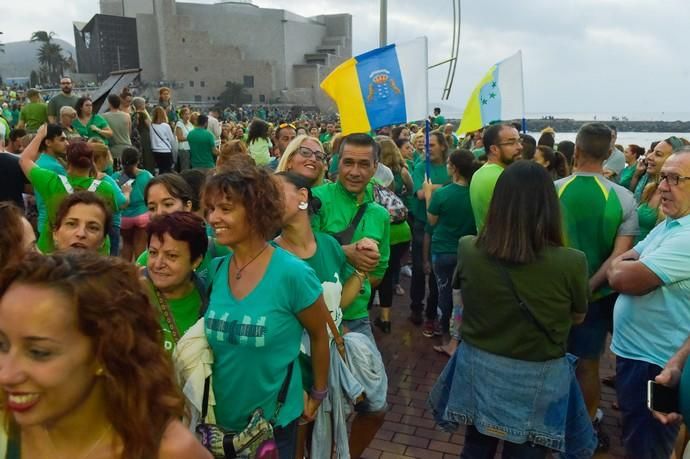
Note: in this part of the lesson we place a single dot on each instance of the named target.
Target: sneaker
(415, 318)
(406, 271)
(428, 328)
(383, 325)
(438, 331)
(399, 290)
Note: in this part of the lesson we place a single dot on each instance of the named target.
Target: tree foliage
(50, 56)
(233, 95)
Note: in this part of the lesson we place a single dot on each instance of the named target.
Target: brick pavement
(409, 430)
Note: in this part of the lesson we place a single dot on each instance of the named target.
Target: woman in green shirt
(90, 124)
(632, 155)
(177, 243)
(449, 212)
(54, 187)
(262, 300)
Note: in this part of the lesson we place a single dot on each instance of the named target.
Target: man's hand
(363, 255)
(669, 377)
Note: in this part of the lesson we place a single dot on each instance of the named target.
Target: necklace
(238, 275)
(93, 447)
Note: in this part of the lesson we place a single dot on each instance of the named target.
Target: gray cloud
(584, 56)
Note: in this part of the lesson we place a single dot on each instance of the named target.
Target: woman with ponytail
(554, 162)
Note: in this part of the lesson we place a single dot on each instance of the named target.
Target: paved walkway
(413, 366)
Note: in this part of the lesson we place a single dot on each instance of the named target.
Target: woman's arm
(352, 288)
(180, 135)
(27, 160)
(314, 320)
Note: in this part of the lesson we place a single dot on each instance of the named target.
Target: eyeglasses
(511, 142)
(671, 179)
(307, 153)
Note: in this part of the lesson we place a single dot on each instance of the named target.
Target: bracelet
(318, 394)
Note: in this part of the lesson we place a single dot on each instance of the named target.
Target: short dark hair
(529, 145)
(594, 141)
(181, 226)
(567, 149)
(491, 135)
(464, 162)
(360, 140)
(17, 133)
(257, 190)
(130, 157)
(52, 131)
(174, 184)
(114, 100)
(524, 216)
(196, 179)
(88, 198)
(202, 120)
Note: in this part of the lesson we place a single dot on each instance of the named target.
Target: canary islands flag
(381, 87)
(498, 96)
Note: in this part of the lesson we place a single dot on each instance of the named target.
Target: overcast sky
(624, 57)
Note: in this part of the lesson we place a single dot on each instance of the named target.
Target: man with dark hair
(53, 150)
(529, 146)
(284, 135)
(327, 136)
(503, 146)
(65, 97)
(33, 114)
(652, 313)
(437, 120)
(202, 145)
(362, 227)
(600, 219)
(121, 124)
(615, 163)
(15, 143)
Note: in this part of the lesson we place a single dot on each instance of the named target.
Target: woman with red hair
(54, 187)
(81, 364)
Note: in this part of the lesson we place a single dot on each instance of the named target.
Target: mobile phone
(661, 398)
(129, 182)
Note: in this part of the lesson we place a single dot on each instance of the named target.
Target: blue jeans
(444, 267)
(479, 446)
(114, 235)
(362, 326)
(286, 440)
(643, 436)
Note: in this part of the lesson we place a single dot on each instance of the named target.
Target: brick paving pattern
(413, 366)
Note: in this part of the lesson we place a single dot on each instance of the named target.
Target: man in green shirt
(341, 202)
(33, 114)
(327, 136)
(599, 219)
(64, 98)
(503, 147)
(202, 145)
(437, 120)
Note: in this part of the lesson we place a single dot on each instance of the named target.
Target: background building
(199, 49)
(105, 44)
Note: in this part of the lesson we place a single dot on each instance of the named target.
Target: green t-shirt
(34, 114)
(214, 250)
(325, 138)
(45, 161)
(332, 270)
(59, 101)
(439, 176)
(627, 175)
(255, 339)
(595, 211)
(260, 150)
(201, 145)
(87, 132)
(647, 218)
(338, 208)
(494, 322)
(185, 312)
(482, 190)
(439, 120)
(137, 203)
(455, 219)
(51, 187)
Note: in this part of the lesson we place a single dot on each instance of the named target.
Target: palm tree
(49, 55)
(42, 36)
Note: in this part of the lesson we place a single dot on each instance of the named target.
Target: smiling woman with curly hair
(82, 366)
(261, 301)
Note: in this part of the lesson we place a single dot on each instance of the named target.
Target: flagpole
(522, 83)
(427, 153)
(427, 150)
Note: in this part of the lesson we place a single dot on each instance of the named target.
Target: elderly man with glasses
(652, 314)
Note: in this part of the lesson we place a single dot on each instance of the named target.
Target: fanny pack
(254, 441)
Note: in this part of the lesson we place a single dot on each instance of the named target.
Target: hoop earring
(303, 205)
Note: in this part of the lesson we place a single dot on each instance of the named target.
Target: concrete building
(105, 44)
(197, 49)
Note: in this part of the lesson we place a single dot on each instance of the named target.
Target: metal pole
(383, 24)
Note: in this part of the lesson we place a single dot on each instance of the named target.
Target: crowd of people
(182, 284)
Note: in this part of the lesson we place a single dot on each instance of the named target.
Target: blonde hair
(159, 116)
(389, 154)
(283, 165)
